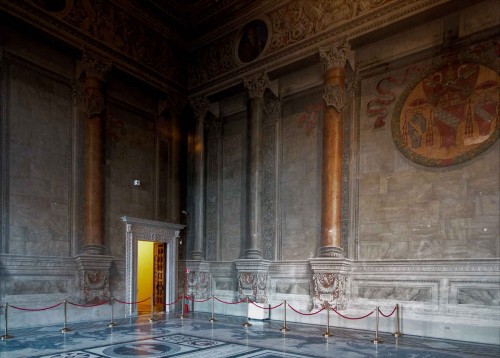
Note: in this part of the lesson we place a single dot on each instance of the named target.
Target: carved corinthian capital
(256, 85)
(337, 56)
(95, 66)
(200, 105)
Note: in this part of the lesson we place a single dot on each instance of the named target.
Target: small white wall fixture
(155, 231)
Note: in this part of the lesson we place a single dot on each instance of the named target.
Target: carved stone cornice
(150, 230)
(256, 85)
(200, 105)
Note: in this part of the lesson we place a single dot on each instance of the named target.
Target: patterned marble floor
(195, 336)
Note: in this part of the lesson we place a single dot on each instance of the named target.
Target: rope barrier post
(6, 335)
(183, 304)
(397, 334)
(377, 340)
(65, 328)
(111, 324)
(152, 318)
(327, 333)
(213, 306)
(247, 323)
(284, 328)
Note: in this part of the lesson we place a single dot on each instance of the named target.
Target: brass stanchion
(152, 318)
(65, 328)
(247, 323)
(376, 340)
(327, 333)
(213, 306)
(111, 323)
(397, 333)
(284, 328)
(6, 335)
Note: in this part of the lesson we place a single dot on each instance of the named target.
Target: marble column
(197, 149)
(336, 98)
(93, 264)
(256, 86)
(95, 71)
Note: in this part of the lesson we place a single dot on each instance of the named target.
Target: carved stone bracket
(330, 282)
(94, 277)
(253, 279)
(330, 288)
(256, 85)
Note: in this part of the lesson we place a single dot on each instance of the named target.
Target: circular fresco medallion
(449, 116)
(252, 40)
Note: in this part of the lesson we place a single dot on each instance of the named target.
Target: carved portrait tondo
(252, 41)
(449, 116)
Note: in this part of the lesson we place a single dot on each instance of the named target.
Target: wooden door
(159, 275)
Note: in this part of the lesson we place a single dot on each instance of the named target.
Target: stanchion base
(284, 329)
(212, 320)
(111, 324)
(397, 334)
(377, 341)
(65, 329)
(5, 337)
(247, 324)
(151, 320)
(327, 334)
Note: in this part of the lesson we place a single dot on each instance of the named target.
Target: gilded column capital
(337, 56)
(256, 85)
(95, 66)
(200, 105)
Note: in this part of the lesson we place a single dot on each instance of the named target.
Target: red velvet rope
(266, 308)
(192, 299)
(132, 303)
(305, 314)
(91, 305)
(173, 303)
(36, 309)
(353, 318)
(229, 303)
(389, 315)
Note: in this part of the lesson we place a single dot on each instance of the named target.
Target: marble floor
(195, 336)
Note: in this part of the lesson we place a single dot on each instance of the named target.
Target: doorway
(150, 276)
(162, 258)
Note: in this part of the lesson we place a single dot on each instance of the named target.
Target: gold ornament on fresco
(449, 116)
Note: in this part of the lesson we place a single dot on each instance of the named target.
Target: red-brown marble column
(200, 107)
(95, 71)
(335, 98)
(256, 87)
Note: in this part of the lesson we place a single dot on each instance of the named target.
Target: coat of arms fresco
(449, 116)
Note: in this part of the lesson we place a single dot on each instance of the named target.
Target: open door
(159, 275)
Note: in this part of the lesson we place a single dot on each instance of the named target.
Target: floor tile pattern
(227, 338)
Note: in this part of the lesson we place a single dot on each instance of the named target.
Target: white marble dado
(456, 299)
